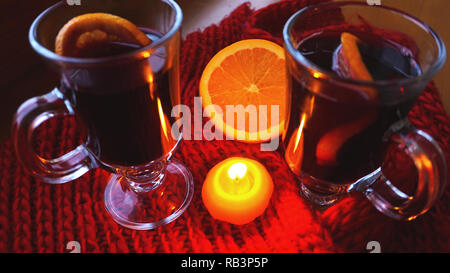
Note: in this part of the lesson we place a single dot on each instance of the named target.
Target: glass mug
(124, 102)
(339, 128)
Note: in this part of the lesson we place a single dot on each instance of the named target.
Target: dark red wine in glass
(342, 136)
(126, 110)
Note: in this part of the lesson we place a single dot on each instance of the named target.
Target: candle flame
(237, 170)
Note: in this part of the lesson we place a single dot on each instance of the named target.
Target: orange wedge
(351, 63)
(251, 74)
(330, 143)
(352, 57)
(88, 33)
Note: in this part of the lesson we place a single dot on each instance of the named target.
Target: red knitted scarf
(38, 217)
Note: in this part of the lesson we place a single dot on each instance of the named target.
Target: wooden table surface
(23, 73)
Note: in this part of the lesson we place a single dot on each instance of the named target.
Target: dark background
(23, 73)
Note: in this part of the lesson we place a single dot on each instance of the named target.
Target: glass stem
(146, 178)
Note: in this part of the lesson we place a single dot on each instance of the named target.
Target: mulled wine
(126, 108)
(337, 132)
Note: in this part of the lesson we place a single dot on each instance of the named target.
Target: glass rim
(328, 75)
(49, 54)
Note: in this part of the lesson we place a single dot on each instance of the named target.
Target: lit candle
(237, 190)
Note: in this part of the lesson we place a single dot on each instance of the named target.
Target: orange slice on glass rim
(352, 57)
(249, 74)
(351, 64)
(86, 34)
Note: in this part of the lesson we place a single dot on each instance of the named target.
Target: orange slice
(88, 33)
(352, 57)
(350, 63)
(330, 143)
(247, 76)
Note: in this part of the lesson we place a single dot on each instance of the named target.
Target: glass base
(325, 194)
(146, 210)
(321, 200)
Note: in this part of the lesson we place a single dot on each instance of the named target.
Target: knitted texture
(38, 217)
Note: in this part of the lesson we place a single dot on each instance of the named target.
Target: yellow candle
(237, 190)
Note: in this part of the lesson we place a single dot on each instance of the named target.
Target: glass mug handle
(28, 117)
(432, 172)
